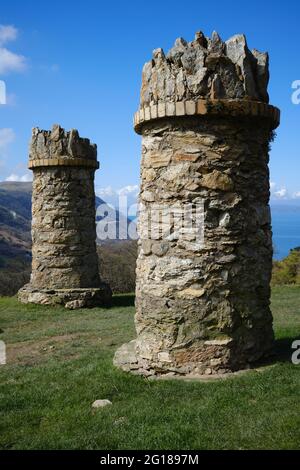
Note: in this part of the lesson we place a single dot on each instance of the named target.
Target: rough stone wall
(203, 308)
(64, 256)
(58, 143)
(63, 229)
(206, 68)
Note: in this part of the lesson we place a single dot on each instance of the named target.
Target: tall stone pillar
(64, 257)
(202, 307)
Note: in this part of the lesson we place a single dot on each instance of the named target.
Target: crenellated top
(206, 68)
(61, 148)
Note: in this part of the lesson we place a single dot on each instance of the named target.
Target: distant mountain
(15, 219)
(15, 238)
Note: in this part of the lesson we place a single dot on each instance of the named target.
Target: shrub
(287, 271)
(117, 261)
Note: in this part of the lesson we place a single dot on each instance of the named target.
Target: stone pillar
(64, 257)
(205, 121)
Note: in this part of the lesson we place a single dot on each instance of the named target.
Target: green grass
(60, 361)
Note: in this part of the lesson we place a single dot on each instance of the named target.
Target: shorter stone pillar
(64, 256)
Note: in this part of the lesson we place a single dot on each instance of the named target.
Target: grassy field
(59, 362)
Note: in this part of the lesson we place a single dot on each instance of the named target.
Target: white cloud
(278, 192)
(22, 179)
(281, 193)
(12, 177)
(108, 191)
(9, 61)
(7, 33)
(26, 178)
(130, 189)
(7, 136)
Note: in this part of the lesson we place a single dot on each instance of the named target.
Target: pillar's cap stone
(61, 148)
(205, 70)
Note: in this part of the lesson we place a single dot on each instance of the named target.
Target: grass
(59, 362)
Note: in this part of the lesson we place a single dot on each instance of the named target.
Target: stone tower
(64, 257)
(202, 306)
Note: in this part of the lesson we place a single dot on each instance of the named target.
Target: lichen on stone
(206, 68)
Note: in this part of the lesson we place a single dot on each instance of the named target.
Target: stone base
(70, 298)
(127, 359)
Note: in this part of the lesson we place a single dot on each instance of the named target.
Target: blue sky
(79, 64)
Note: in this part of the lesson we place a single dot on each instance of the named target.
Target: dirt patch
(36, 351)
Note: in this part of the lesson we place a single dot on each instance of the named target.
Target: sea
(286, 229)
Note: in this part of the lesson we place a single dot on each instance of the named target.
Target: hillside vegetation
(287, 271)
(15, 237)
(117, 262)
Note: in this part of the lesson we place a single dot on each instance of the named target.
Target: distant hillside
(15, 238)
(15, 213)
(117, 263)
(118, 256)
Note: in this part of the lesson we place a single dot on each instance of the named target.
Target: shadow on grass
(282, 352)
(123, 300)
(283, 349)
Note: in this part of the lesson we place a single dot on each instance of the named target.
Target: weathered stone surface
(217, 180)
(125, 357)
(205, 68)
(59, 143)
(64, 253)
(262, 73)
(75, 304)
(237, 51)
(70, 298)
(101, 403)
(203, 307)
